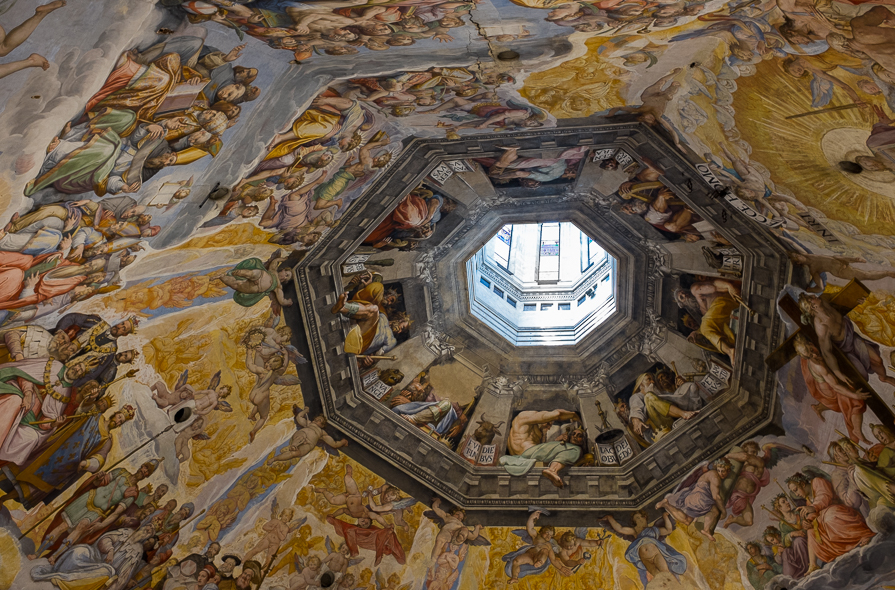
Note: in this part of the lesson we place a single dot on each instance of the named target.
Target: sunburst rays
(793, 150)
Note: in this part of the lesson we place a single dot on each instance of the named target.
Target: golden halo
(10, 560)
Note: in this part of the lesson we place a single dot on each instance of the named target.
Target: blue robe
(412, 408)
(525, 569)
(384, 339)
(677, 563)
(62, 466)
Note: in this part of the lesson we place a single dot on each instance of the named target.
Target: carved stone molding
(394, 446)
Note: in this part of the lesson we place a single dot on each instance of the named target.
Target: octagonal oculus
(540, 284)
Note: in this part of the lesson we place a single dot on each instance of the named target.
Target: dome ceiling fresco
(430, 295)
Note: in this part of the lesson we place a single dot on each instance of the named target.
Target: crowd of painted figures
(74, 476)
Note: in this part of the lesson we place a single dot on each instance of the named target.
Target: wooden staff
(740, 300)
(84, 415)
(55, 510)
(270, 564)
(191, 519)
(853, 443)
(826, 110)
(834, 463)
(785, 493)
(127, 375)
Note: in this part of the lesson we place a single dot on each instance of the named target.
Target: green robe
(335, 186)
(87, 168)
(250, 299)
(760, 579)
(6, 424)
(548, 452)
(886, 462)
(100, 502)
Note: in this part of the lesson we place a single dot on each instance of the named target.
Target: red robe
(410, 213)
(826, 395)
(382, 541)
(13, 266)
(837, 528)
(739, 500)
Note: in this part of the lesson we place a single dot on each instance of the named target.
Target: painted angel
(338, 560)
(300, 545)
(449, 523)
(253, 279)
(754, 475)
(276, 531)
(308, 434)
(444, 572)
(648, 551)
(307, 574)
(274, 339)
(391, 502)
(539, 552)
(202, 402)
(392, 583)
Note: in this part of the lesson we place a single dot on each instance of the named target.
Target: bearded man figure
(526, 439)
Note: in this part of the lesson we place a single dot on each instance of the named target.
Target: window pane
(502, 245)
(548, 253)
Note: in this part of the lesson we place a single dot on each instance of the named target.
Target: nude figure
(276, 338)
(391, 503)
(838, 266)
(351, 501)
(833, 328)
(828, 389)
(338, 561)
(752, 464)
(453, 521)
(206, 400)
(541, 551)
(872, 36)
(569, 543)
(308, 434)
(265, 376)
(308, 575)
(529, 428)
(164, 397)
(445, 569)
(17, 36)
(276, 530)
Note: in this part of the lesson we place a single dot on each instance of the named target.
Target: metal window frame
(538, 278)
